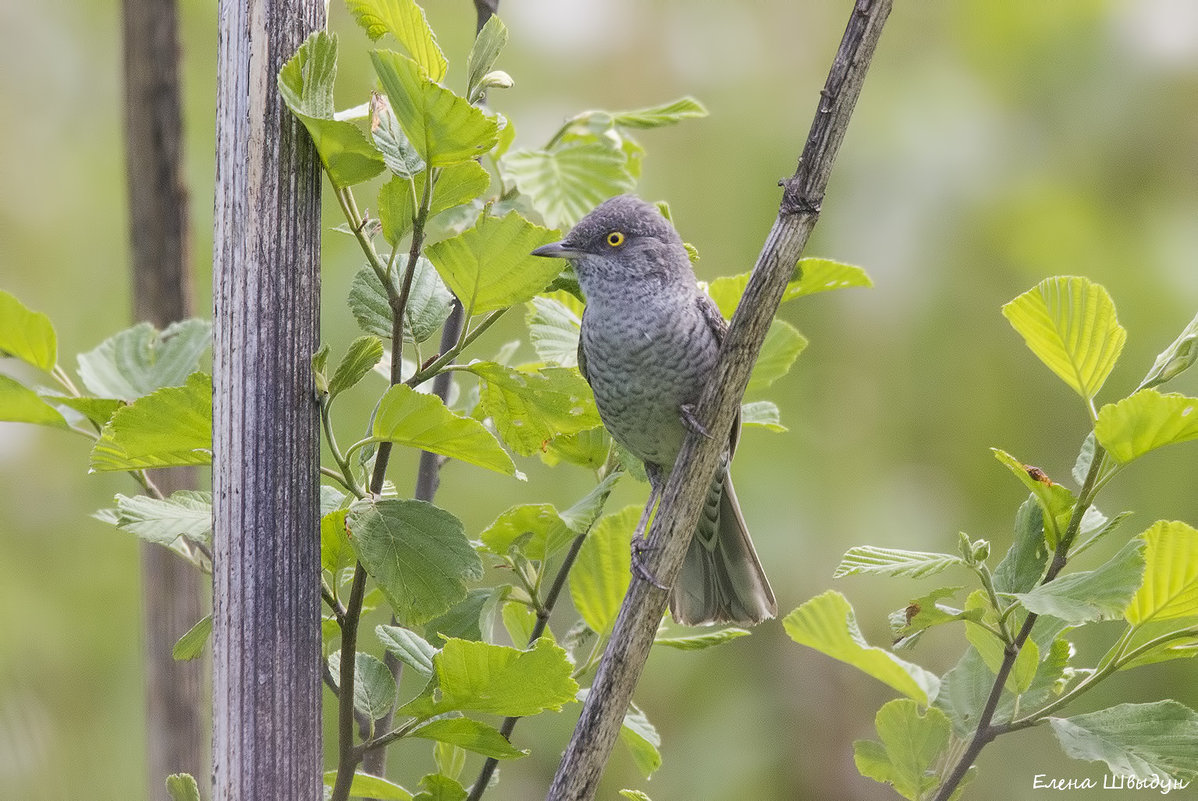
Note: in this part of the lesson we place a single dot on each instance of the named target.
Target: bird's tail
(721, 579)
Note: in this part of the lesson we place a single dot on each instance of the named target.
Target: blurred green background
(995, 144)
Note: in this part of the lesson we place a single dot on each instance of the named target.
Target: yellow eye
(615, 239)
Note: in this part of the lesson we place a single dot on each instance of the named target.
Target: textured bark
(677, 516)
(266, 634)
(172, 590)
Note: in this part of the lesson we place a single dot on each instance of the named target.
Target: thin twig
(543, 611)
(986, 731)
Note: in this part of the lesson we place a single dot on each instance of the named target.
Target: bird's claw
(691, 421)
(640, 547)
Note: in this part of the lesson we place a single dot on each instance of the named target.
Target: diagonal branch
(582, 766)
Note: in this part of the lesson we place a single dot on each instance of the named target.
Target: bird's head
(624, 237)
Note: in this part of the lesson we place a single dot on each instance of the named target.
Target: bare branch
(580, 770)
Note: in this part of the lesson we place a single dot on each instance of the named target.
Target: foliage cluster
(1019, 669)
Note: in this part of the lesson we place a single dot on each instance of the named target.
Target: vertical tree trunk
(266, 634)
(172, 590)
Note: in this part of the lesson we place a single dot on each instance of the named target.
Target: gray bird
(649, 341)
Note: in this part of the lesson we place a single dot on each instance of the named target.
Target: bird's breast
(644, 361)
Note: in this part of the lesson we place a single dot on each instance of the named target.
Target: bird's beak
(557, 250)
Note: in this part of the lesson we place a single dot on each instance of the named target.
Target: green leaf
(453, 186)
(964, 690)
(408, 647)
(927, 611)
(392, 143)
(911, 745)
(635, 795)
(811, 276)
(1100, 594)
(684, 108)
(1147, 741)
(366, 786)
(428, 303)
(894, 562)
(417, 553)
(444, 128)
(20, 404)
(583, 514)
(449, 759)
(398, 199)
(642, 741)
(469, 734)
(1176, 638)
(490, 267)
(469, 618)
(783, 344)
(306, 86)
(320, 368)
(495, 679)
(97, 410)
(347, 157)
(1170, 587)
(1069, 323)
(167, 428)
(530, 408)
(306, 80)
(182, 787)
(423, 421)
(363, 354)
(993, 650)
(536, 530)
(564, 184)
(26, 334)
(827, 624)
(336, 551)
(456, 185)
(1175, 359)
(587, 449)
(1085, 456)
(698, 642)
(1050, 674)
(186, 513)
(192, 643)
(374, 686)
(553, 328)
(141, 359)
(601, 572)
(487, 46)
(1144, 422)
(1024, 563)
(406, 23)
(439, 787)
(1056, 501)
(763, 414)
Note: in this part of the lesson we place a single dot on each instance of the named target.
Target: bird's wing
(582, 359)
(719, 327)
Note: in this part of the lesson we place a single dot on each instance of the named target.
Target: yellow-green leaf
(20, 404)
(828, 624)
(444, 128)
(26, 334)
(1069, 323)
(489, 266)
(405, 21)
(1144, 422)
(167, 428)
(423, 421)
(1170, 586)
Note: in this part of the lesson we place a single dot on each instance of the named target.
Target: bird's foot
(640, 547)
(691, 421)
